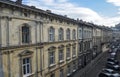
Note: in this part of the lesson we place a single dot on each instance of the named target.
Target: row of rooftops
(19, 4)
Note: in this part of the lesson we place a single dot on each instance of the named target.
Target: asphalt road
(97, 66)
(93, 68)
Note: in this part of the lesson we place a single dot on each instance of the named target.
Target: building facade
(38, 43)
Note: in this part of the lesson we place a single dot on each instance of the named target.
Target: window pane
(26, 66)
(24, 70)
(25, 34)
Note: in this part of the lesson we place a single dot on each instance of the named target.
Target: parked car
(113, 55)
(104, 74)
(113, 66)
(112, 72)
(113, 60)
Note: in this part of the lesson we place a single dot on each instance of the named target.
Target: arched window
(61, 34)
(51, 34)
(68, 34)
(74, 34)
(25, 34)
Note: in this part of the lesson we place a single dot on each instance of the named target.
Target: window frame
(68, 34)
(26, 65)
(68, 53)
(51, 58)
(25, 36)
(60, 34)
(51, 33)
(61, 73)
(61, 55)
(74, 34)
(74, 51)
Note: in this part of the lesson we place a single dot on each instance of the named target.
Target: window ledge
(74, 70)
(68, 74)
(27, 75)
(51, 65)
(68, 58)
(74, 56)
(61, 61)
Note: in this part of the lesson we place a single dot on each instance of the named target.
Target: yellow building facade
(38, 43)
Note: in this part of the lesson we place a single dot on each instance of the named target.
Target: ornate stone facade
(38, 43)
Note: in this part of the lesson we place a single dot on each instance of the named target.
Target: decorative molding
(68, 45)
(61, 46)
(52, 48)
(25, 53)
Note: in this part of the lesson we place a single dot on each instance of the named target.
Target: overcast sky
(101, 12)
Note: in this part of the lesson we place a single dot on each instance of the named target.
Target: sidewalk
(82, 72)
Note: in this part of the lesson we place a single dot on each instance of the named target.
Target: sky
(100, 12)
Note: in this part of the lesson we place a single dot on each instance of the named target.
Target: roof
(32, 8)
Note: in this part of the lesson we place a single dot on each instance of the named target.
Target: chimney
(19, 1)
(49, 11)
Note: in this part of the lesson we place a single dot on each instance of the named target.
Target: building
(38, 43)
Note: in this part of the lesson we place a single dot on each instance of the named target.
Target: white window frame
(74, 34)
(74, 51)
(68, 34)
(51, 34)
(61, 55)
(68, 53)
(61, 73)
(51, 58)
(27, 66)
(68, 70)
(74, 66)
(61, 34)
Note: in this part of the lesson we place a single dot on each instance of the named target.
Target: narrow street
(94, 68)
(97, 67)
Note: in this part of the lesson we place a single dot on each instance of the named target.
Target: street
(93, 68)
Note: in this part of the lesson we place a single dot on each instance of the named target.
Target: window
(80, 34)
(51, 34)
(25, 34)
(26, 66)
(26, 14)
(68, 70)
(61, 55)
(61, 34)
(80, 62)
(74, 35)
(74, 66)
(80, 47)
(52, 75)
(68, 34)
(74, 51)
(61, 73)
(51, 57)
(68, 53)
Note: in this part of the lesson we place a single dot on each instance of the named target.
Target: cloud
(65, 7)
(115, 2)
